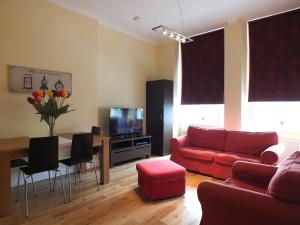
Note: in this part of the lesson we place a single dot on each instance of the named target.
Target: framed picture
(25, 79)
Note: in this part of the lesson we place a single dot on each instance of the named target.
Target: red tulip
(30, 100)
(60, 93)
(37, 100)
(54, 93)
(35, 94)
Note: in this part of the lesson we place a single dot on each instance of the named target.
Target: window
(274, 76)
(275, 58)
(283, 117)
(209, 115)
(203, 69)
(202, 92)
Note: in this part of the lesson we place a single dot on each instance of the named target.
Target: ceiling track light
(167, 32)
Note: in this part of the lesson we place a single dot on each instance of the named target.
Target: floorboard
(117, 203)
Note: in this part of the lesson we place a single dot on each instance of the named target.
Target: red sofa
(256, 194)
(213, 151)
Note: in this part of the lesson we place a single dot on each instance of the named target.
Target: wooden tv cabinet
(123, 149)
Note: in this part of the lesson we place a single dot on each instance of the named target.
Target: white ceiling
(198, 15)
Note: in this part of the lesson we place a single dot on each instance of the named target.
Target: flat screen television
(124, 122)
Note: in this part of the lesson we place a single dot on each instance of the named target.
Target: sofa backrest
(251, 143)
(207, 138)
(285, 184)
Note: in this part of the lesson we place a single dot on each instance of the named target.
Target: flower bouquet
(50, 105)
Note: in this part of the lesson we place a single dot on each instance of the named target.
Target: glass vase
(51, 128)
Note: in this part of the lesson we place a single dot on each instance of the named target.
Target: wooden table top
(9, 145)
(21, 144)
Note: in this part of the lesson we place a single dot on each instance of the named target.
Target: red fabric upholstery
(192, 151)
(229, 158)
(204, 167)
(257, 173)
(271, 155)
(251, 143)
(220, 171)
(198, 153)
(240, 184)
(161, 179)
(207, 138)
(242, 199)
(285, 184)
(180, 142)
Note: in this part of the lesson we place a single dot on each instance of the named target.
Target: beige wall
(235, 76)
(166, 59)
(109, 68)
(124, 66)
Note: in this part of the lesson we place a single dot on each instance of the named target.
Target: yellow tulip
(50, 94)
(65, 94)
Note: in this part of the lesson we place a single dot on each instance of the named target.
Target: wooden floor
(118, 202)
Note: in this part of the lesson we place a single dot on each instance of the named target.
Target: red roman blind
(203, 69)
(274, 44)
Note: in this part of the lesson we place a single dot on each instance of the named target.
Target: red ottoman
(161, 179)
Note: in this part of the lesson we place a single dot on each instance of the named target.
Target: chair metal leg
(80, 172)
(76, 168)
(54, 180)
(49, 181)
(17, 192)
(96, 175)
(26, 195)
(68, 172)
(62, 184)
(35, 194)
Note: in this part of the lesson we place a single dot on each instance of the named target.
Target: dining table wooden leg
(5, 195)
(104, 165)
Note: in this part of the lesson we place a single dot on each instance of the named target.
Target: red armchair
(256, 194)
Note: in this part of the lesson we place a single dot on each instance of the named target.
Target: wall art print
(25, 79)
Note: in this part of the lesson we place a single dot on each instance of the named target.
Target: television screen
(126, 121)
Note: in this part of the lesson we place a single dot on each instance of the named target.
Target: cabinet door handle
(161, 116)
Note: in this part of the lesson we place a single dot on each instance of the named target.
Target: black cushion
(70, 162)
(17, 163)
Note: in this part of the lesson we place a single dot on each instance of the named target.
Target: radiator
(291, 146)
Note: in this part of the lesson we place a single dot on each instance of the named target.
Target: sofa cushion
(198, 153)
(207, 138)
(251, 143)
(240, 184)
(229, 158)
(285, 184)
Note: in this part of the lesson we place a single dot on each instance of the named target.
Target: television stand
(124, 149)
(126, 136)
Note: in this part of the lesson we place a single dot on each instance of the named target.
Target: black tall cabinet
(159, 115)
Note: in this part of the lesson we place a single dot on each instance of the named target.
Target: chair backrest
(82, 148)
(96, 130)
(43, 154)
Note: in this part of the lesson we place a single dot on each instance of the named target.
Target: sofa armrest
(272, 154)
(253, 172)
(179, 142)
(227, 205)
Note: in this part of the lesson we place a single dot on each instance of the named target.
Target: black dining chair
(42, 157)
(19, 163)
(97, 151)
(81, 152)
